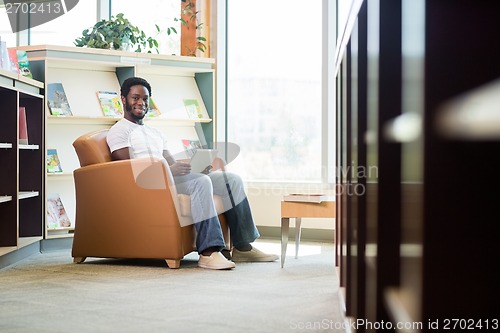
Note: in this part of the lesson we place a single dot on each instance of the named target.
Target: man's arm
(170, 159)
(121, 154)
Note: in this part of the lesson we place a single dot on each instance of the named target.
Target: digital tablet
(202, 158)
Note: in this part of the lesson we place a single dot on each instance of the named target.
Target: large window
(274, 73)
(149, 13)
(6, 33)
(66, 28)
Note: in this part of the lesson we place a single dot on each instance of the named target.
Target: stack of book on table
(308, 197)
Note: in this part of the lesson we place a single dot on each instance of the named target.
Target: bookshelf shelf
(59, 175)
(60, 233)
(7, 249)
(76, 120)
(29, 147)
(178, 120)
(28, 194)
(21, 213)
(5, 198)
(6, 145)
(84, 72)
(25, 241)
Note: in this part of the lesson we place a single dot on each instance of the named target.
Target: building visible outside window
(274, 89)
(66, 28)
(149, 13)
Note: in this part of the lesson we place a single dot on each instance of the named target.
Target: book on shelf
(110, 103)
(308, 197)
(53, 162)
(193, 108)
(190, 146)
(23, 64)
(4, 56)
(56, 213)
(13, 65)
(18, 61)
(23, 127)
(57, 100)
(153, 110)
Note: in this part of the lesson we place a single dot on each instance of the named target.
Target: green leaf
(114, 32)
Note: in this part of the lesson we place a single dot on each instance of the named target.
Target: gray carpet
(48, 293)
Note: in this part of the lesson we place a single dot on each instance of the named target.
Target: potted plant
(117, 33)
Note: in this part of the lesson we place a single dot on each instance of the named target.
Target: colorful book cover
(53, 162)
(57, 100)
(56, 213)
(193, 108)
(23, 127)
(23, 64)
(153, 110)
(190, 146)
(14, 67)
(110, 103)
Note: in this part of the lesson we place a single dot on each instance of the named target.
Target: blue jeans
(237, 210)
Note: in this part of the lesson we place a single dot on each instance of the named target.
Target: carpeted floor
(48, 293)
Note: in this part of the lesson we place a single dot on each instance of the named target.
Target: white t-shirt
(142, 140)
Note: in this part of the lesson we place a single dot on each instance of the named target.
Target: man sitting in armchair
(130, 138)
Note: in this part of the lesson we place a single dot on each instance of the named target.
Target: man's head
(135, 93)
(133, 81)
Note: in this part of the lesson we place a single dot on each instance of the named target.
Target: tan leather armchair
(127, 209)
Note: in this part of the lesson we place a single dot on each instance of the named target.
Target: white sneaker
(215, 261)
(254, 255)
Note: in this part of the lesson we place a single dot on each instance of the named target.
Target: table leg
(285, 223)
(298, 231)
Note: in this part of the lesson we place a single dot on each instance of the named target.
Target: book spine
(23, 127)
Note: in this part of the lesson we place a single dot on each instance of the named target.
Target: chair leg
(173, 263)
(79, 260)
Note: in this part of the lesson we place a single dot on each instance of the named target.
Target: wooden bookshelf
(21, 205)
(419, 246)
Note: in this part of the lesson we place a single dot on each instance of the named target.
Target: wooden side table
(298, 210)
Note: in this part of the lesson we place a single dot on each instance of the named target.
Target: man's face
(136, 103)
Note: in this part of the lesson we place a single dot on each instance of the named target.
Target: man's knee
(203, 181)
(234, 179)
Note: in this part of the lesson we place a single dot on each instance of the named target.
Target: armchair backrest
(92, 148)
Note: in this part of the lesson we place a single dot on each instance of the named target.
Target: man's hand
(180, 168)
(207, 170)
